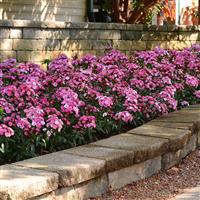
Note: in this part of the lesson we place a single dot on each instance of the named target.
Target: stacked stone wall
(37, 41)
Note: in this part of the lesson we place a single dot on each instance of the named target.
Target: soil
(164, 185)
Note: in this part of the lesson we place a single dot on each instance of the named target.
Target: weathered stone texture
(20, 183)
(109, 35)
(45, 34)
(83, 34)
(172, 158)
(93, 188)
(177, 137)
(136, 172)
(71, 169)
(101, 44)
(122, 44)
(6, 44)
(35, 45)
(131, 35)
(4, 33)
(7, 54)
(76, 45)
(81, 38)
(137, 144)
(115, 159)
(15, 33)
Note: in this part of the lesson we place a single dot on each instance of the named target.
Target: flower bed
(76, 101)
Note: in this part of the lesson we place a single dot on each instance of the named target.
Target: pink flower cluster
(87, 93)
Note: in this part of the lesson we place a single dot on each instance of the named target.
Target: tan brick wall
(37, 41)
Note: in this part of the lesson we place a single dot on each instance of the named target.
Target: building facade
(43, 10)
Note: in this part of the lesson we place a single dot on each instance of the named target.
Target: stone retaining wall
(36, 41)
(91, 170)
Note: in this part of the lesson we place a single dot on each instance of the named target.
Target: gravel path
(164, 185)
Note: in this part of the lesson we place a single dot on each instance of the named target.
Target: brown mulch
(164, 185)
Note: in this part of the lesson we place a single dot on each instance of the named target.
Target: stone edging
(91, 170)
(92, 25)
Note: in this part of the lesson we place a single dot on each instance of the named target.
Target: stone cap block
(72, 169)
(181, 117)
(176, 125)
(177, 137)
(143, 147)
(91, 25)
(115, 158)
(20, 183)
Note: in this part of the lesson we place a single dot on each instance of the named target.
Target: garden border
(91, 170)
(35, 41)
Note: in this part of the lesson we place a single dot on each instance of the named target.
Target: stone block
(181, 117)
(115, 159)
(122, 44)
(190, 146)
(81, 53)
(138, 45)
(23, 45)
(70, 45)
(7, 54)
(179, 45)
(153, 44)
(177, 137)
(4, 33)
(142, 149)
(100, 52)
(40, 56)
(20, 183)
(71, 169)
(83, 34)
(172, 158)
(23, 56)
(154, 36)
(131, 35)
(101, 44)
(136, 27)
(36, 45)
(198, 138)
(176, 125)
(184, 36)
(6, 23)
(119, 178)
(45, 33)
(173, 28)
(109, 35)
(5, 44)
(51, 45)
(160, 36)
(92, 188)
(156, 28)
(15, 33)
